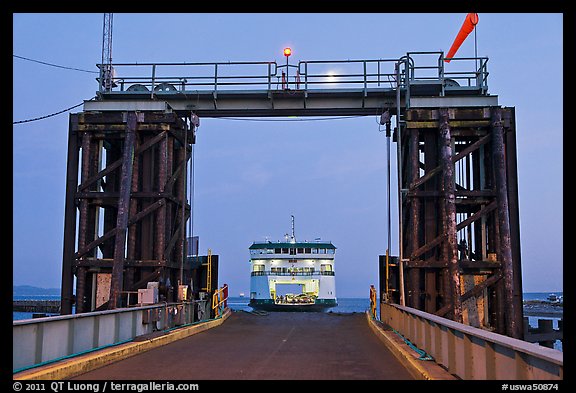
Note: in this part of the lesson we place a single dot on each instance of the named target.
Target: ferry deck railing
(271, 273)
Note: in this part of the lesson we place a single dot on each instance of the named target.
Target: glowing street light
(287, 53)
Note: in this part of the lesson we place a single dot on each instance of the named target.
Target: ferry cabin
(285, 273)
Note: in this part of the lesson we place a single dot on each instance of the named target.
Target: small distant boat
(553, 297)
(241, 294)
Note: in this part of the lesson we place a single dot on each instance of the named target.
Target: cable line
(54, 65)
(47, 116)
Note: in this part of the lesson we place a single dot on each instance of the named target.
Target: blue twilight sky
(250, 176)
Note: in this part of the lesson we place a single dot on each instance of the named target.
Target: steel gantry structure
(459, 247)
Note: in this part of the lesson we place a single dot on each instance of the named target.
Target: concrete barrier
(471, 353)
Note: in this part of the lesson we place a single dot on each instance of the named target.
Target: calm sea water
(345, 305)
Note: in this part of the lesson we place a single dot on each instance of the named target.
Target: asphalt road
(277, 346)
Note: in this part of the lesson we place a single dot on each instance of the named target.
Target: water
(539, 295)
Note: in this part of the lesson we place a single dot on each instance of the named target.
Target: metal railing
(473, 353)
(182, 78)
(157, 77)
(271, 273)
(43, 340)
(220, 301)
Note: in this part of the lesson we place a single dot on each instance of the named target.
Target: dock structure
(36, 306)
(460, 240)
(131, 207)
(458, 212)
(279, 345)
(459, 244)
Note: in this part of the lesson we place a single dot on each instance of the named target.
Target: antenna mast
(293, 236)
(106, 70)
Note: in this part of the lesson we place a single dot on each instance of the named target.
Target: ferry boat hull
(319, 305)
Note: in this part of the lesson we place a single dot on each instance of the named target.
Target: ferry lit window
(331, 251)
(277, 250)
(322, 251)
(307, 251)
(300, 251)
(325, 268)
(269, 251)
(258, 268)
(292, 251)
(314, 251)
(284, 251)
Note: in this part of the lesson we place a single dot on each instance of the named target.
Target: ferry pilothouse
(292, 275)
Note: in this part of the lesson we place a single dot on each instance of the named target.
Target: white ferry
(292, 275)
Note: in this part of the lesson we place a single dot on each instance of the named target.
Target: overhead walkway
(308, 88)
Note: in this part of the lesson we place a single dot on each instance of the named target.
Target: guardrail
(44, 340)
(176, 78)
(473, 353)
(271, 273)
(220, 301)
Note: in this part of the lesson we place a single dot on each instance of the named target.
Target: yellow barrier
(219, 300)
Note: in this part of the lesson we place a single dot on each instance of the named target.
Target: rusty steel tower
(126, 189)
(460, 240)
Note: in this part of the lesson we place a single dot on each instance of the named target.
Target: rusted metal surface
(451, 224)
(414, 170)
(514, 329)
(509, 121)
(69, 220)
(139, 191)
(123, 209)
(449, 220)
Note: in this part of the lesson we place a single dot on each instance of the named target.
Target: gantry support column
(141, 191)
(461, 226)
(449, 219)
(414, 200)
(117, 279)
(513, 328)
(66, 296)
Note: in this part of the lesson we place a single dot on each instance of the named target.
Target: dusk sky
(251, 176)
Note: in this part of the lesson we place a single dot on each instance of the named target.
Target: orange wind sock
(467, 27)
